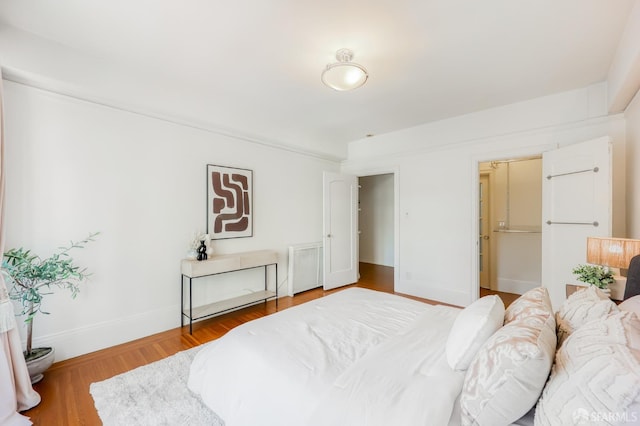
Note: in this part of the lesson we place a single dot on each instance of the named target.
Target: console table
(222, 264)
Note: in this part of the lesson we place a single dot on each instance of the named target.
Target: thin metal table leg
(190, 307)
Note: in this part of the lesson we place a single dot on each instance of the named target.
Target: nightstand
(572, 288)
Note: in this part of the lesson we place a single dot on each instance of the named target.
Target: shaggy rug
(151, 395)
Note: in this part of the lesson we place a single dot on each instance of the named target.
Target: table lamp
(622, 253)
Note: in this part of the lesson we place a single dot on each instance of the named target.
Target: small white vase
(207, 242)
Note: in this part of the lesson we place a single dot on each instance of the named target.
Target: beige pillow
(508, 374)
(632, 304)
(533, 302)
(582, 307)
(473, 326)
(596, 376)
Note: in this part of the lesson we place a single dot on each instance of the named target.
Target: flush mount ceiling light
(344, 74)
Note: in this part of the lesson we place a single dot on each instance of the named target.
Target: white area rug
(151, 395)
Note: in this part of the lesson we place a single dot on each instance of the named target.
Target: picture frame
(229, 202)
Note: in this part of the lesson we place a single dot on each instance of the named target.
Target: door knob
(328, 235)
(485, 237)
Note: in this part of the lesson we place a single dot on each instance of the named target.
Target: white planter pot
(38, 365)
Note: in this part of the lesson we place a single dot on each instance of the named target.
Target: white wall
(624, 73)
(632, 116)
(438, 162)
(376, 219)
(74, 167)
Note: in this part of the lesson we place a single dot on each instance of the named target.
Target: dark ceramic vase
(202, 251)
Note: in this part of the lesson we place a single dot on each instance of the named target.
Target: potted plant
(595, 275)
(32, 278)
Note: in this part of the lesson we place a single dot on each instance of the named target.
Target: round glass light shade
(344, 76)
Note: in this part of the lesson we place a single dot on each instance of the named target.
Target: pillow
(596, 376)
(473, 326)
(533, 302)
(632, 304)
(508, 374)
(582, 307)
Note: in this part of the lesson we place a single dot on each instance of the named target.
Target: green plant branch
(33, 277)
(594, 274)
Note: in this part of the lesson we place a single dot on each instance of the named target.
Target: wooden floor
(65, 389)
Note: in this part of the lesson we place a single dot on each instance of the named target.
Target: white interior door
(576, 204)
(340, 229)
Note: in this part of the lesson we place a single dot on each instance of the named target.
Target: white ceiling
(252, 67)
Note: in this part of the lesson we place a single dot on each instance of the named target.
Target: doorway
(510, 220)
(576, 198)
(376, 224)
(343, 210)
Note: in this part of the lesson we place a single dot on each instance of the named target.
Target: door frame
(475, 215)
(488, 254)
(395, 171)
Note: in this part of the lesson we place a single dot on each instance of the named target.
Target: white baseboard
(376, 262)
(437, 294)
(93, 337)
(515, 286)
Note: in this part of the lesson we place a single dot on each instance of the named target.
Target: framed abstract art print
(229, 202)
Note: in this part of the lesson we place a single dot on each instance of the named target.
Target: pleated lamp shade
(612, 252)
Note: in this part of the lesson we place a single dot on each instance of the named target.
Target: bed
(361, 357)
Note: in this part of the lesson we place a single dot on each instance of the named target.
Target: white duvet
(355, 357)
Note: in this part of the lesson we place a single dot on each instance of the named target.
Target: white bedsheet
(333, 360)
(405, 380)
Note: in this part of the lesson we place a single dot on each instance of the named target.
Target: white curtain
(16, 392)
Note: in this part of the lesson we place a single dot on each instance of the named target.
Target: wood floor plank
(65, 389)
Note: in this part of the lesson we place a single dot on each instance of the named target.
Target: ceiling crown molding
(61, 89)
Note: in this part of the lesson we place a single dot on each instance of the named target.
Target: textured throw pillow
(596, 376)
(582, 307)
(632, 304)
(507, 375)
(473, 326)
